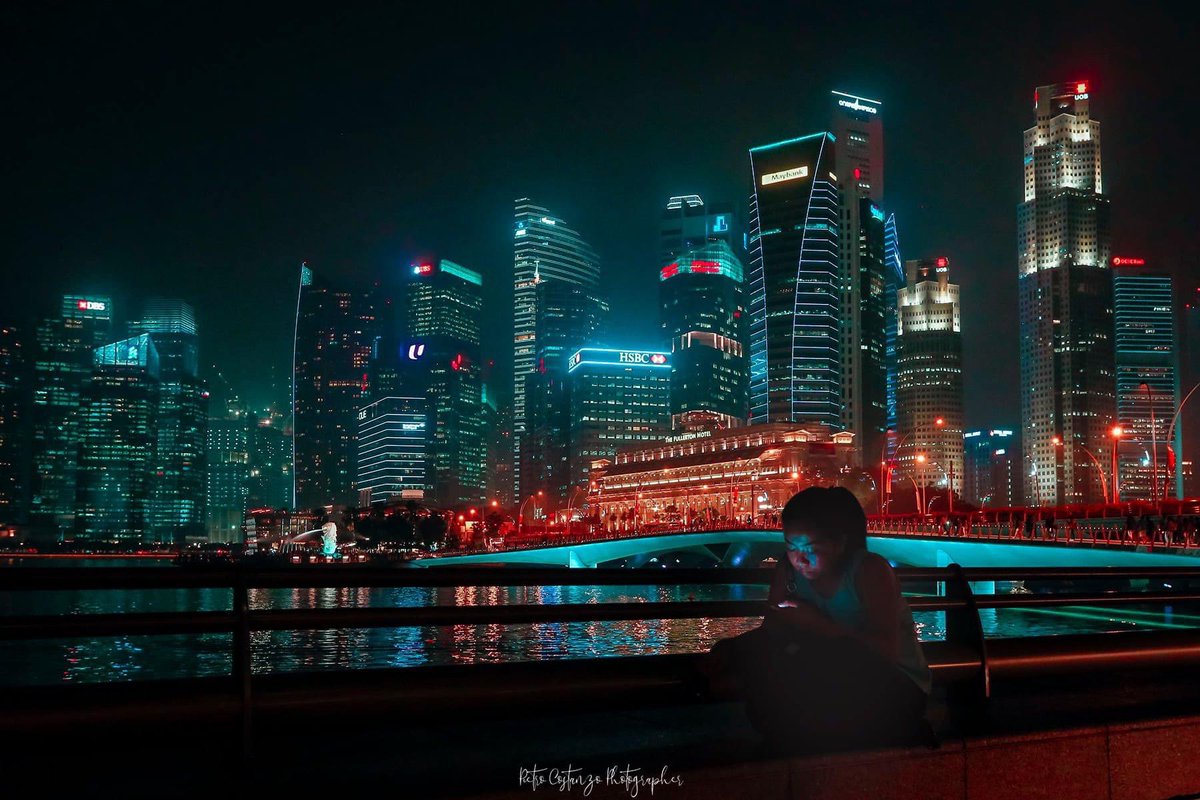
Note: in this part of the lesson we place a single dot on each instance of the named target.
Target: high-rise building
(15, 398)
(703, 315)
(687, 223)
(894, 275)
(228, 473)
(544, 248)
(929, 383)
(117, 424)
(334, 333)
(500, 453)
(992, 468)
(618, 398)
(65, 351)
(858, 128)
(569, 317)
(177, 509)
(444, 366)
(391, 449)
(1189, 416)
(270, 484)
(1065, 289)
(1147, 380)
(794, 298)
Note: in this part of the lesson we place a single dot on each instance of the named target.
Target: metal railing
(966, 661)
(1110, 533)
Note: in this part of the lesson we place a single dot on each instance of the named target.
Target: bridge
(913, 545)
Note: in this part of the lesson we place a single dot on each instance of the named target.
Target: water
(129, 658)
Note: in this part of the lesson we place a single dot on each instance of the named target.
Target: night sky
(204, 153)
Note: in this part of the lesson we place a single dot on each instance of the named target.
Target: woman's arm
(778, 591)
(879, 593)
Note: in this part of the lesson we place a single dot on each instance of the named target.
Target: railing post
(242, 659)
(968, 701)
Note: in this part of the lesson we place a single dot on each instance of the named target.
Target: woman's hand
(799, 616)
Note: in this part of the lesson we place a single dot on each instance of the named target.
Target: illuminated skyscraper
(117, 425)
(391, 449)
(618, 398)
(544, 248)
(1147, 379)
(688, 223)
(894, 275)
(228, 479)
(65, 349)
(15, 395)
(858, 129)
(1065, 289)
(569, 317)
(1189, 416)
(992, 468)
(180, 456)
(334, 332)
(442, 363)
(794, 298)
(929, 376)
(703, 315)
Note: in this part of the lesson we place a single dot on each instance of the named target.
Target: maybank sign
(786, 175)
(605, 357)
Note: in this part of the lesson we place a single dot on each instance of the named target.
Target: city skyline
(358, 224)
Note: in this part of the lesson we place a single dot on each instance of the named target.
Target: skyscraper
(1065, 289)
(117, 425)
(687, 223)
(858, 129)
(391, 449)
(333, 340)
(270, 484)
(1147, 379)
(228, 473)
(544, 248)
(992, 468)
(65, 351)
(618, 398)
(15, 396)
(703, 316)
(442, 355)
(569, 317)
(894, 277)
(929, 376)
(180, 454)
(795, 290)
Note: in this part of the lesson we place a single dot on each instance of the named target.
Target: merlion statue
(329, 539)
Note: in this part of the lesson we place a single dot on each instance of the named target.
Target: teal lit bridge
(748, 548)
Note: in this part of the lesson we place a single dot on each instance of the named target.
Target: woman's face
(813, 555)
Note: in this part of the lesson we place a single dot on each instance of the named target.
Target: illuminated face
(812, 554)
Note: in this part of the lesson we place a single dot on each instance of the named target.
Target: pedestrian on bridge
(836, 663)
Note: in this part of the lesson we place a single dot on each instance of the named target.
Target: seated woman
(836, 663)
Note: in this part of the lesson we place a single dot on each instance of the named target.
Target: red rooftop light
(1080, 88)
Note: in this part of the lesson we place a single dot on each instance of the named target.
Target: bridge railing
(966, 661)
(1106, 532)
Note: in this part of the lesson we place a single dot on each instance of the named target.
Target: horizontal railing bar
(1042, 655)
(62, 626)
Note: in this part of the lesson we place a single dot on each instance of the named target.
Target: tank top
(845, 608)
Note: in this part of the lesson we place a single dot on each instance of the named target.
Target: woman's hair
(832, 511)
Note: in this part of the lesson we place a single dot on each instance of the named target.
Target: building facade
(703, 316)
(442, 319)
(228, 474)
(858, 128)
(1065, 290)
(333, 340)
(63, 365)
(392, 437)
(894, 281)
(992, 468)
(687, 223)
(1189, 416)
(177, 510)
(709, 478)
(1147, 380)
(929, 387)
(118, 434)
(794, 294)
(617, 398)
(544, 248)
(15, 399)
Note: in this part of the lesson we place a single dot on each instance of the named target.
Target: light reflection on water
(158, 657)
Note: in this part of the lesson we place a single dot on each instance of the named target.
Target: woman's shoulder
(874, 569)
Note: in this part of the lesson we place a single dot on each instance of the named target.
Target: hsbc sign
(641, 358)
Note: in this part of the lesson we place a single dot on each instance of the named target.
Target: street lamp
(521, 511)
(940, 422)
(921, 508)
(891, 467)
(1116, 432)
(1171, 427)
(1058, 442)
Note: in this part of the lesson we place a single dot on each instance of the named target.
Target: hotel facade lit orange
(708, 478)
